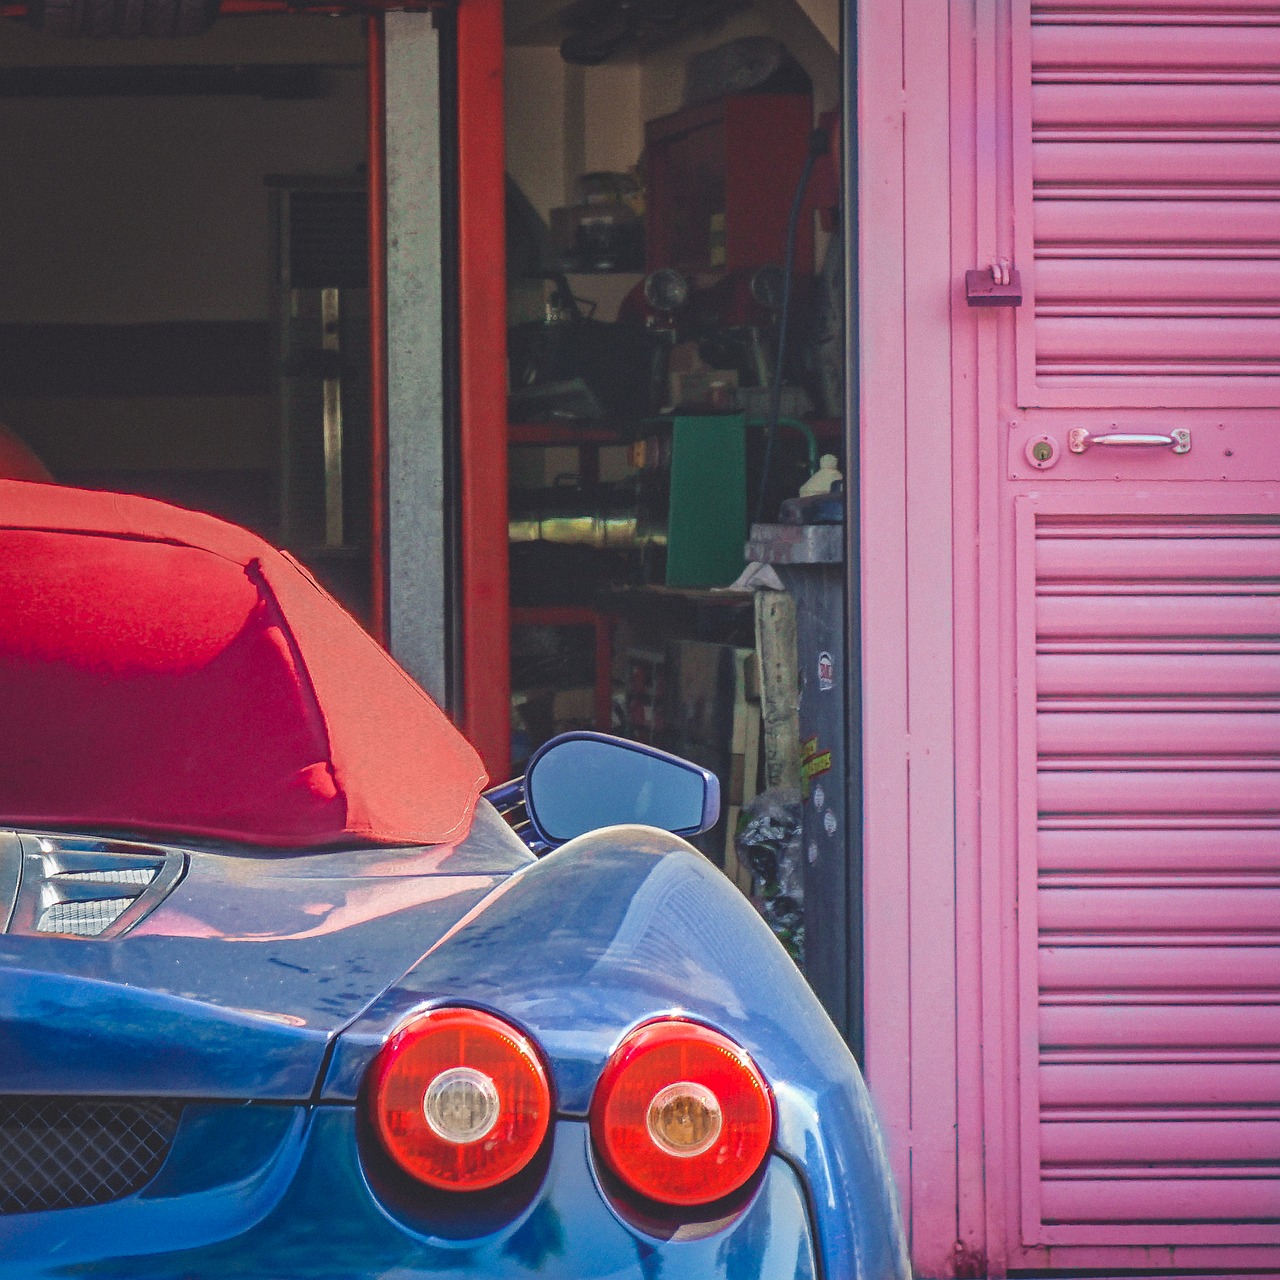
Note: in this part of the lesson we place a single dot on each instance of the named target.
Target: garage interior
(147, 341)
(185, 314)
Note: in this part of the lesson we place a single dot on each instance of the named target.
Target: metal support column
(418, 548)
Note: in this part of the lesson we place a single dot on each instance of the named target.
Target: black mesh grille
(64, 1153)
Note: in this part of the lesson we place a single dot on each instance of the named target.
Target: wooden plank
(744, 775)
(779, 688)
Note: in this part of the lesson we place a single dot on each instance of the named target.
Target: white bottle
(822, 480)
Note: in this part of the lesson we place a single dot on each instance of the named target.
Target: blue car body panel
(274, 981)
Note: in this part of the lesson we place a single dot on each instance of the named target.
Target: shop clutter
(675, 369)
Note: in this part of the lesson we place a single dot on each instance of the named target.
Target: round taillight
(681, 1114)
(460, 1099)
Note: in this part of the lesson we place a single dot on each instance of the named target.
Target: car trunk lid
(233, 984)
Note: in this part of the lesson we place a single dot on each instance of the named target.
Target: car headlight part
(460, 1099)
(681, 1114)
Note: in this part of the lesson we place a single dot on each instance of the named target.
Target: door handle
(1178, 440)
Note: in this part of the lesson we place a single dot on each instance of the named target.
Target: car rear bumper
(280, 1191)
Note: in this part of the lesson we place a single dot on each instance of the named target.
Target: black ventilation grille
(66, 1153)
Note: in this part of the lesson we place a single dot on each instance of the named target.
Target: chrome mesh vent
(83, 887)
(117, 877)
(84, 919)
(66, 1153)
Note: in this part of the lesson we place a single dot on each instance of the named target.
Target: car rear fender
(629, 923)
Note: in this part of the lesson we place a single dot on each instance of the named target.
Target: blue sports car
(284, 994)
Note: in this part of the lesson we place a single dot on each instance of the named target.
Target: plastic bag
(768, 845)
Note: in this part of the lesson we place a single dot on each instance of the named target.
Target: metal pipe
(331, 342)
(376, 73)
(854, 812)
(810, 440)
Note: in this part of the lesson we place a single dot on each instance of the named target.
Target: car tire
(123, 17)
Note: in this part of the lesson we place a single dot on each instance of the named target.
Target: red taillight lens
(460, 1099)
(681, 1114)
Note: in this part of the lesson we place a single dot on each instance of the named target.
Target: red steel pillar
(377, 160)
(486, 644)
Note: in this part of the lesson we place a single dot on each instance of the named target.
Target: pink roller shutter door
(1072, 694)
(1142, 208)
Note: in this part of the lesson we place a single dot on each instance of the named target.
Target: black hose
(819, 143)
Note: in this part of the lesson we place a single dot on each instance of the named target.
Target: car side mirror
(580, 781)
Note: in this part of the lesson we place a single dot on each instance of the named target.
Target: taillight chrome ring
(685, 1119)
(461, 1105)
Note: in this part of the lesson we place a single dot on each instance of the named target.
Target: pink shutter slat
(1111, 107)
(1160, 850)
(1170, 675)
(1180, 733)
(1126, 166)
(1184, 554)
(1120, 787)
(1162, 965)
(1249, 1195)
(1208, 1026)
(1245, 282)
(1140, 616)
(1118, 910)
(1081, 1142)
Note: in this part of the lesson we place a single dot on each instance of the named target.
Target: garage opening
(673, 225)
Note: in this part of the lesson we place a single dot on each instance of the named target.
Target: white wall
(535, 92)
(562, 121)
(612, 115)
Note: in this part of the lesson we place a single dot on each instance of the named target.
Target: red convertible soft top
(164, 672)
